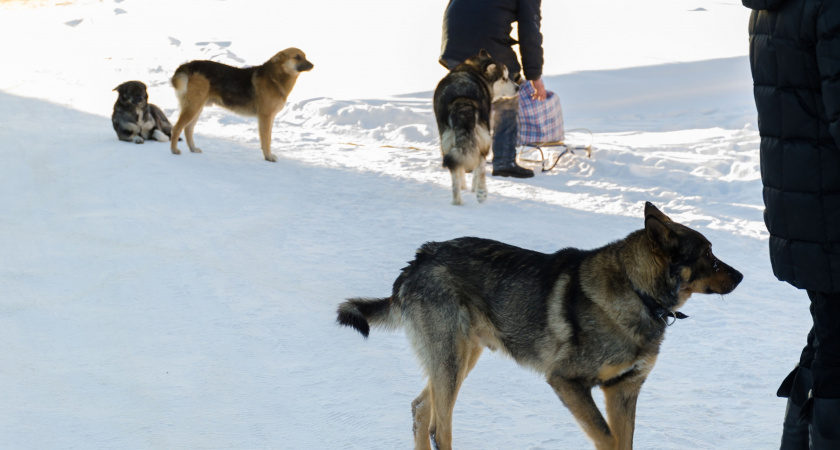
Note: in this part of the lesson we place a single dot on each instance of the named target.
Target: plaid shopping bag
(539, 121)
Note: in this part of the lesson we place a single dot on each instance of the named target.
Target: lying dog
(462, 104)
(259, 91)
(582, 318)
(135, 119)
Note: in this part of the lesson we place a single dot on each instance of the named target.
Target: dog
(135, 119)
(584, 318)
(259, 91)
(462, 103)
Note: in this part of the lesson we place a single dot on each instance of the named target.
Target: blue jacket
(472, 25)
(795, 62)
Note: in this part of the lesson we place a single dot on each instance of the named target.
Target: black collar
(656, 310)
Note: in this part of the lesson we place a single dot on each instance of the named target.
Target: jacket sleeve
(828, 61)
(530, 38)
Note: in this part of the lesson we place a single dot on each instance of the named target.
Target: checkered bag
(539, 121)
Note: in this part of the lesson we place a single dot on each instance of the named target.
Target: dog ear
(483, 53)
(651, 210)
(491, 72)
(661, 236)
(279, 58)
(658, 231)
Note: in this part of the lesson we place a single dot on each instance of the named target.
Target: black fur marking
(362, 310)
(466, 84)
(449, 161)
(354, 319)
(613, 381)
(234, 84)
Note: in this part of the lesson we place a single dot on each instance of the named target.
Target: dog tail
(361, 313)
(179, 82)
(462, 122)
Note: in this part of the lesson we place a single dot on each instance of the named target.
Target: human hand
(539, 90)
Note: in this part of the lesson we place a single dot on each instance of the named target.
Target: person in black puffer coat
(472, 25)
(795, 62)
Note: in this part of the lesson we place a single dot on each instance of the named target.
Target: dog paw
(176, 151)
(195, 150)
(457, 201)
(271, 158)
(139, 140)
(481, 195)
(160, 136)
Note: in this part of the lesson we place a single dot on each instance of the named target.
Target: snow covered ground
(155, 301)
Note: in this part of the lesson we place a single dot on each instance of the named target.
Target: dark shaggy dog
(584, 318)
(462, 103)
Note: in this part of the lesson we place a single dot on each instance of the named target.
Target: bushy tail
(457, 139)
(179, 82)
(361, 313)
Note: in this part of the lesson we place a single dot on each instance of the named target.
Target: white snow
(157, 301)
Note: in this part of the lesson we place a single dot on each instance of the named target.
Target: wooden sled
(528, 152)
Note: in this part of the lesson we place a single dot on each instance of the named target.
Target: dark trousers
(822, 352)
(505, 132)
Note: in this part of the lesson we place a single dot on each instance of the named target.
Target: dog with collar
(583, 318)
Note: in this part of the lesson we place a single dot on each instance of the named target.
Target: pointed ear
(659, 232)
(483, 53)
(651, 210)
(661, 236)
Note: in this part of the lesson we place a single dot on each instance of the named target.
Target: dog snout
(730, 279)
(305, 66)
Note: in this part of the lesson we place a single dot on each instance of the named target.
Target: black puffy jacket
(795, 61)
(472, 25)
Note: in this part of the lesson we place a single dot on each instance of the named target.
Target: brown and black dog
(259, 91)
(583, 318)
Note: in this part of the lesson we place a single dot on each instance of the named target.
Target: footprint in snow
(119, 11)
(74, 23)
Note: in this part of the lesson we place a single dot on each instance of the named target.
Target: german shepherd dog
(584, 318)
(135, 119)
(259, 91)
(462, 104)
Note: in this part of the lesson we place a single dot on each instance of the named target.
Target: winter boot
(795, 387)
(825, 424)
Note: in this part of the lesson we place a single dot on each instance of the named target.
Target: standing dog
(135, 119)
(259, 91)
(584, 318)
(462, 104)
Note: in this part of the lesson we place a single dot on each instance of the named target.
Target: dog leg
(188, 133)
(620, 402)
(445, 382)
(266, 123)
(480, 180)
(578, 398)
(421, 410)
(456, 174)
(186, 122)
(463, 176)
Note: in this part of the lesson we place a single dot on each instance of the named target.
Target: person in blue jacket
(472, 25)
(795, 62)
